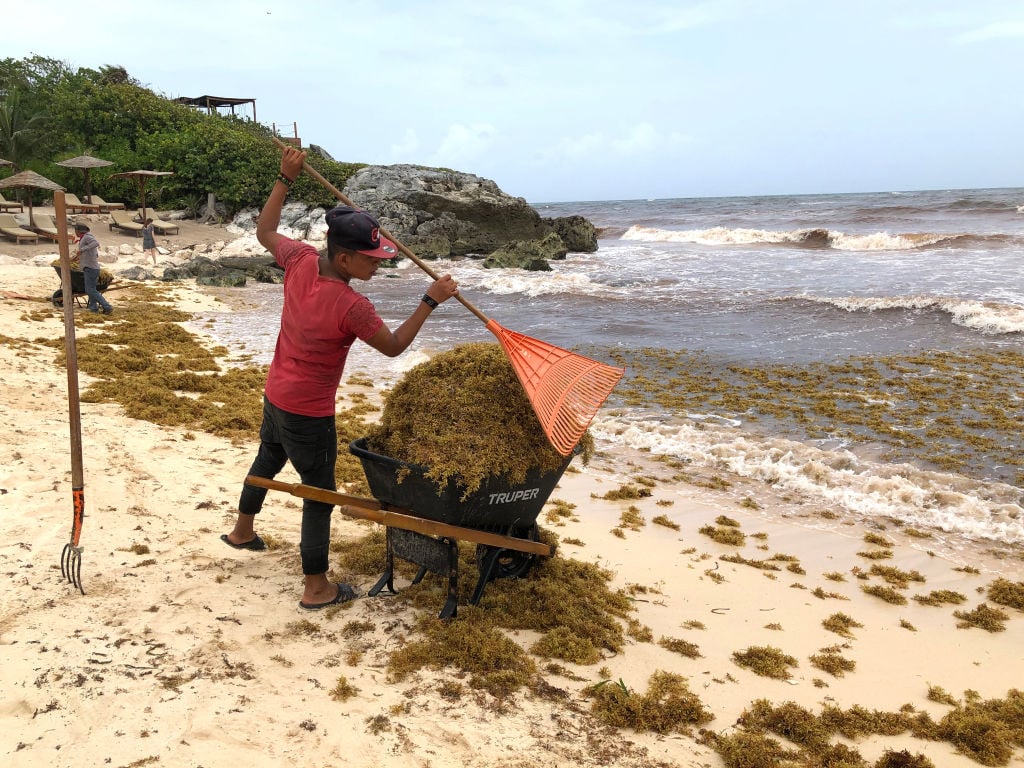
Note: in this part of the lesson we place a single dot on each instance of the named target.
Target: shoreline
(197, 654)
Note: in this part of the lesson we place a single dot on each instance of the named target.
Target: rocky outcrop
(228, 271)
(438, 212)
(578, 234)
(531, 255)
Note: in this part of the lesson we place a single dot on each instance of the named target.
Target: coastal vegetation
(50, 111)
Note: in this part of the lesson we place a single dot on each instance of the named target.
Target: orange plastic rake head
(565, 389)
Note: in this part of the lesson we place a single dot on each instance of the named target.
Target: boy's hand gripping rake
(71, 556)
(565, 389)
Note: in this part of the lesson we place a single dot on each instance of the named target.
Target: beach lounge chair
(10, 205)
(44, 225)
(123, 220)
(105, 207)
(161, 226)
(74, 205)
(9, 227)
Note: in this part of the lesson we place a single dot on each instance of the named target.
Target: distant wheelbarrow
(78, 287)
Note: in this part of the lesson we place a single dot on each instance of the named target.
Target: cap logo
(375, 235)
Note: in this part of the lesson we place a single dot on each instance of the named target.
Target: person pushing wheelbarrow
(89, 258)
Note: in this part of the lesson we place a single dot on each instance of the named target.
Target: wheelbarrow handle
(371, 509)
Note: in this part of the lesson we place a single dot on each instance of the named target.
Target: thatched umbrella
(85, 162)
(142, 177)
(29, 180)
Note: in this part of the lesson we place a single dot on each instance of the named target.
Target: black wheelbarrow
(78, 286)
(425, 523)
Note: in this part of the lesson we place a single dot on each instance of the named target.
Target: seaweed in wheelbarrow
(459, 443)
(463, 416)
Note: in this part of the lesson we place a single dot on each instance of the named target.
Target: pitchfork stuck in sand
(71, 556)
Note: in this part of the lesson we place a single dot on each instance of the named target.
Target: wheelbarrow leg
(436, 555)
(485, 565)
(387, 579)
(451, 605)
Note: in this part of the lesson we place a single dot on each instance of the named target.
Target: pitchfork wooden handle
(401, 247)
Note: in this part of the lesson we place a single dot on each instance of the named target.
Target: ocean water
(919, 287)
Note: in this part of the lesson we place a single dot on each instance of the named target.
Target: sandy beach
(183, 652)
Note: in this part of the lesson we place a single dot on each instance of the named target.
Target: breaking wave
(865, 489)
(812, 238)
(988, 317)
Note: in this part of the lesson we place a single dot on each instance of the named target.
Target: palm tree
(19, 130)
(114, 74)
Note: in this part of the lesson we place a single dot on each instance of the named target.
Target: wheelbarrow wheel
(509, 563)
(58, 298)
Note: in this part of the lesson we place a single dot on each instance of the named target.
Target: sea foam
(862, 488)
(819, 238)
(989, 317)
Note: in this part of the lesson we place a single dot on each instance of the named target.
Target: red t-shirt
(320, 319)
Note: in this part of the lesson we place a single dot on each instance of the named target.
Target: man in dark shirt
(89, 258)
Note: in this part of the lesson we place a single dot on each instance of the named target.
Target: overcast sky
(565, 100)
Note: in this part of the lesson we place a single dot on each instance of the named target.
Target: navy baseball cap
(357, 230)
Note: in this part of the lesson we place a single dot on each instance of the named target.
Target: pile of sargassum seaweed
(464, 416)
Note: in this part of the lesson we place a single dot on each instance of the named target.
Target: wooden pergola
(212, 103)
(216, 102)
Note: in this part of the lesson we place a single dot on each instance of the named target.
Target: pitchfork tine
(71, 565)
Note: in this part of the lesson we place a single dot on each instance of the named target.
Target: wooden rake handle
(401, 247)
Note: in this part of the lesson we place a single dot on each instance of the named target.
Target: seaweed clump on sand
(668, 705)
(464, 417)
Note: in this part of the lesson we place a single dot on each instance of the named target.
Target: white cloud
(642, 140)
(580, 147)
(702, 15)
(999, 31)
(463, 143)
(405, 150)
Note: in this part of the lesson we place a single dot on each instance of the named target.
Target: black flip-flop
(256, 545)
(345, 593)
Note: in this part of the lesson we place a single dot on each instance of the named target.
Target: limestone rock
(578, 234)
(136, 272)
(230, 278)
(428, 247)
(435, 212)
(532, 255)
(316, 149)
(471, 212)
(272, 275)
